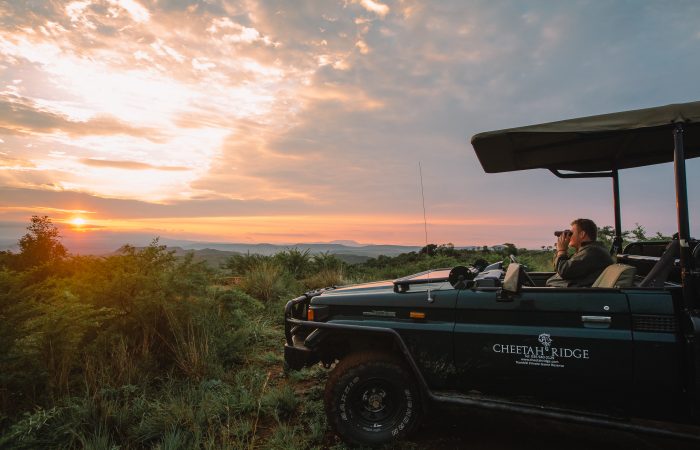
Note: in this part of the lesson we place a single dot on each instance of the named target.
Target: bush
(92, 322)
(295, 262)
(239, 265)
(324, 278)
(265, 281)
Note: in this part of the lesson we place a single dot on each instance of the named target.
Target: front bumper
(297, 357)
(296, 354)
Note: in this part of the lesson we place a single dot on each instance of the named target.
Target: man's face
(577, 237)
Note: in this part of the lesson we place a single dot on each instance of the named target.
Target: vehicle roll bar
(617, 240)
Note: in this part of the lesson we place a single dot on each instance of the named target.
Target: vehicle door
(562, 343)
(428, 317)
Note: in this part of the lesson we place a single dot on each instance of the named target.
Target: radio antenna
(425, 226)
(425, 220)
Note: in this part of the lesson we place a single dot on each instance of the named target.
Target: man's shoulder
(596, 248)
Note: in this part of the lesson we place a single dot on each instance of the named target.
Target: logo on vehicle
(544, 355)
(545, 340)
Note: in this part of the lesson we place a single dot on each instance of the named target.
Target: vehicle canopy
(597, 143)
(598, 146)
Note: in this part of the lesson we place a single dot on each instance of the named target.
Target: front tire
(371, 398)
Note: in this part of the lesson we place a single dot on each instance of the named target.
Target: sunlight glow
(78, 222)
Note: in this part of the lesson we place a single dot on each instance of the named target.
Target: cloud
(115, 208)
(316, 107)
(232, 32)
(137, 12)
(22, 116)
(9, 163)
(378, 8)
(129, 165)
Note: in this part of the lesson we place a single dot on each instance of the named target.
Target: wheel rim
(376, 403)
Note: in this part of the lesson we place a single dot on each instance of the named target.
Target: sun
(78, 222)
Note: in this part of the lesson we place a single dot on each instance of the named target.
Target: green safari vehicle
(623, 354)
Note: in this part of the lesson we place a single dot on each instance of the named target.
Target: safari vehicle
(623, 354)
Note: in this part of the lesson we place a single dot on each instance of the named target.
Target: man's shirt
(581, 269)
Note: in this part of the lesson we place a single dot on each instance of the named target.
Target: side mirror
(511, 283)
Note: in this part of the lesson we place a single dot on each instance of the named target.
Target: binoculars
(565, 233)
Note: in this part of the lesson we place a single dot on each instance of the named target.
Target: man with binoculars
(586, 264)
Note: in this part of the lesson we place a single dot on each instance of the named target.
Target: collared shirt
(581, 269)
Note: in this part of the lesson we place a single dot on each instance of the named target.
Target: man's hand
(563, 243)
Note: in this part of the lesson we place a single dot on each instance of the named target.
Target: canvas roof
(597, 143)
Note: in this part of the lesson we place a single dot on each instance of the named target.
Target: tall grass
(265, 281)
(141, 350)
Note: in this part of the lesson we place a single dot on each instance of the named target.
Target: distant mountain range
(215, 258)
(370, 251)
(217, 252)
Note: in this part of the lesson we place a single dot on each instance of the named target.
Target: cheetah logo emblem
(545, 340)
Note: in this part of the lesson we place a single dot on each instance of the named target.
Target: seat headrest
(616, 276)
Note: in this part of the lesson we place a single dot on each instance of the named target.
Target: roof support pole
(617, 241)
(682, 208)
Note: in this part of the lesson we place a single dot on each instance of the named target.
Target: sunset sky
(306, 121)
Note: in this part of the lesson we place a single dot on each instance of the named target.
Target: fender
(390, 332)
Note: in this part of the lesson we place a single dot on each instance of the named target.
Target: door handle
(600, 321)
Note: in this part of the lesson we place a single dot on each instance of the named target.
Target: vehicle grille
(654, 323)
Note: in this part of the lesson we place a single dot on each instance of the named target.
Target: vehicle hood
(379, 293)
(363, 288)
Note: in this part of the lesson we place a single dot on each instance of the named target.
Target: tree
(41, 245)
(606, 235)
(639, 233)
(510, 249)
(428, 249)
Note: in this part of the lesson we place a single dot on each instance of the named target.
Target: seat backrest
(658, 275)
(646, 248)
(616, 276)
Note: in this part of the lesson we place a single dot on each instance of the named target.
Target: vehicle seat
(658, 274)
(616, 276)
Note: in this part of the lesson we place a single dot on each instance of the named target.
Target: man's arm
(577, 266)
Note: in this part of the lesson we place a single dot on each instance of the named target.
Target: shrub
(241, 264)
(327, 261)
(265, 281)
(324, 278)
(296, 262)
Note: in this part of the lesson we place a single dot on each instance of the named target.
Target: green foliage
(142, 350)
(286, 437)
(442, 250)
(639, 233)
(41, 245)
(327, 261)
(510, 249)
(384, 267)
(281, 403)
(324, 278)
(239, 265)
(211, 414)
(265, 281)
(91, 322)
(606, 235)
(296, 262)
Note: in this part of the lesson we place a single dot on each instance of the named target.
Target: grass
(140, 350)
